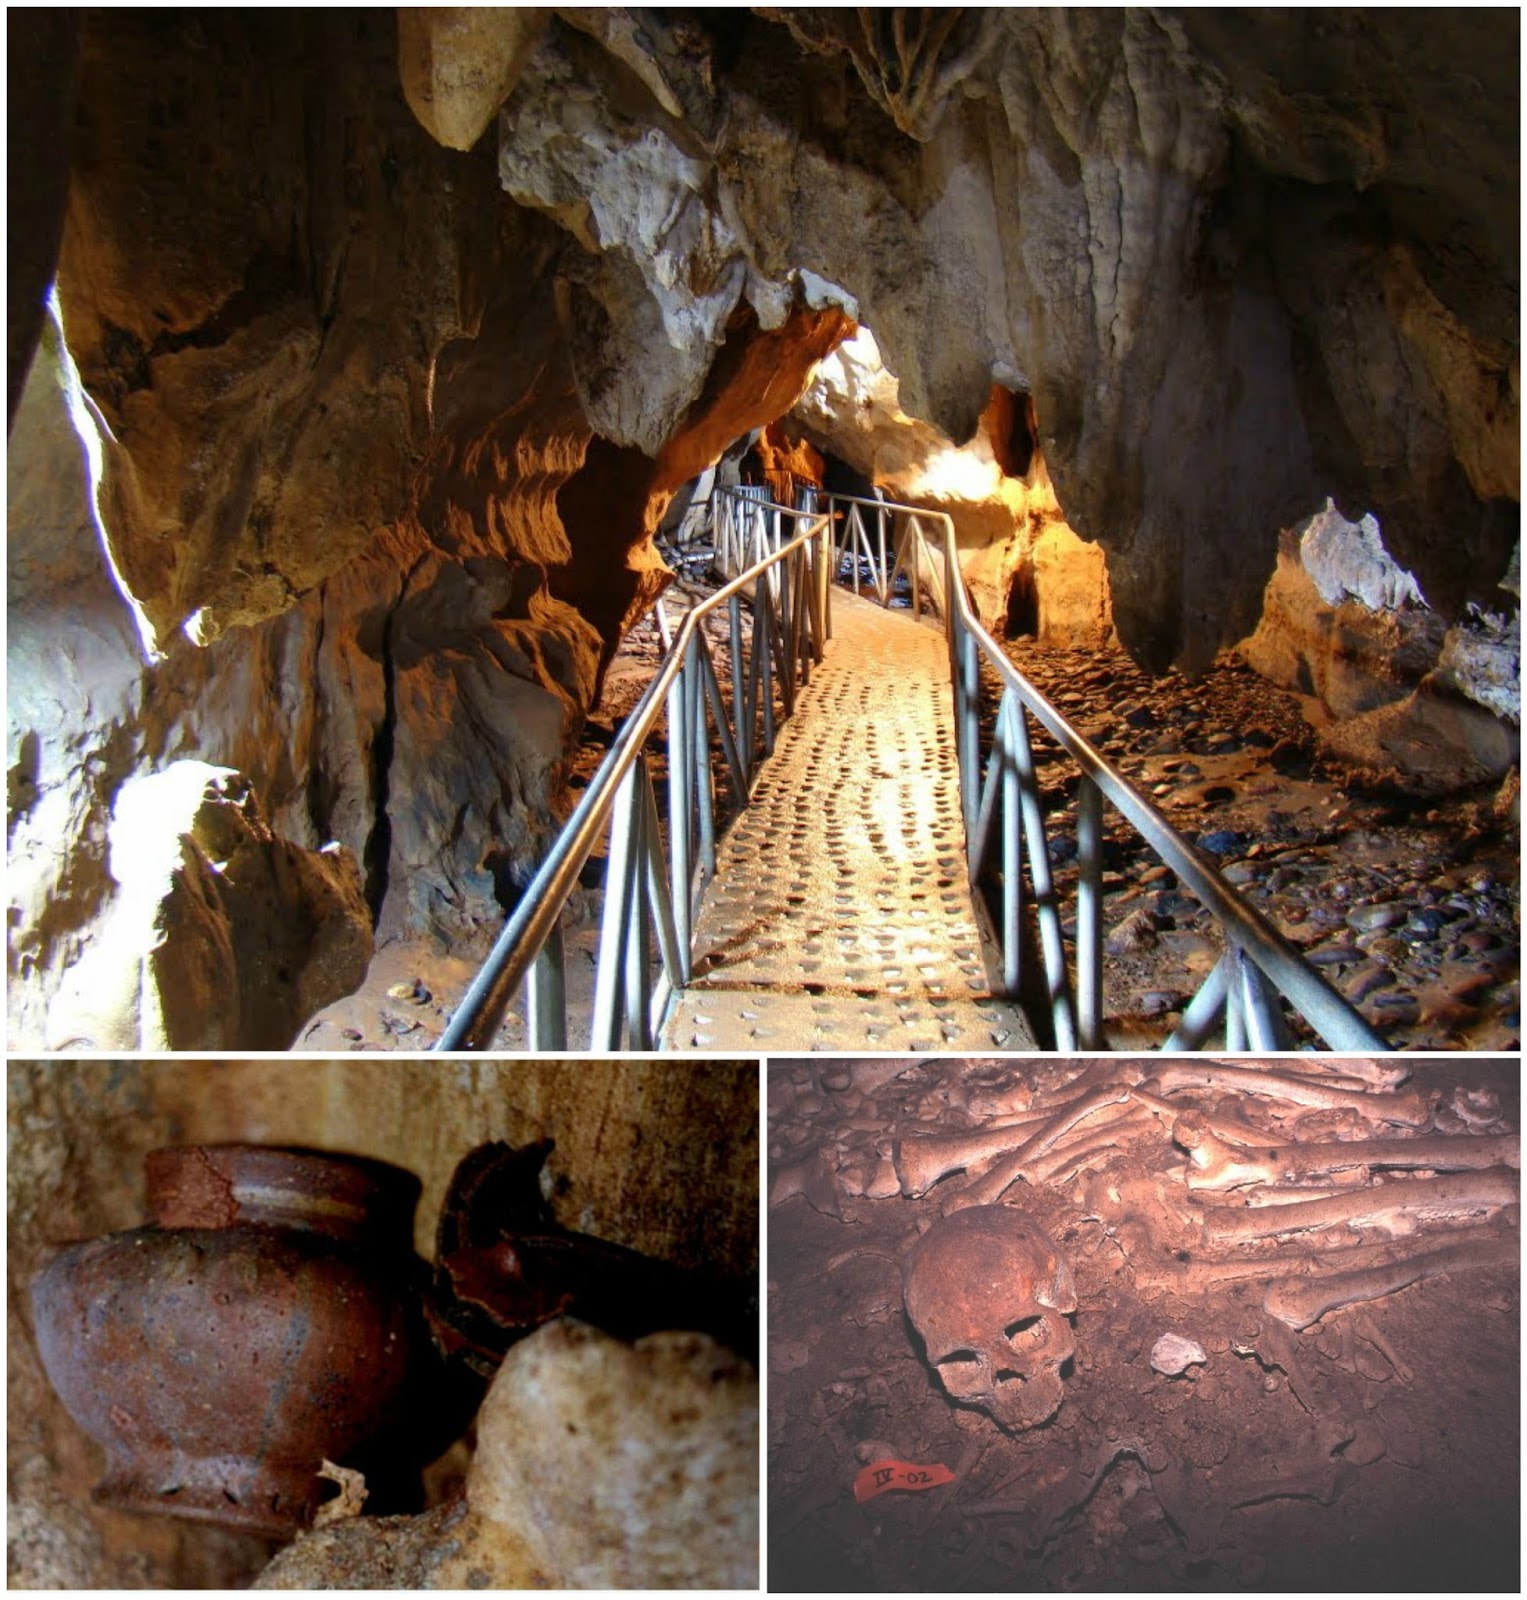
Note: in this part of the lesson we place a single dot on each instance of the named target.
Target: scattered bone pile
(1331, 1184)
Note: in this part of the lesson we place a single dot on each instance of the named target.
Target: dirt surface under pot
(1377, 1449)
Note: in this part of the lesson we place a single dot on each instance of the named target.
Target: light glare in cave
(90, 425)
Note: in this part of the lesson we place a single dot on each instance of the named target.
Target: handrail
(1004, 804)
(791, 613)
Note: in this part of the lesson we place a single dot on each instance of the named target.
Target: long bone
(1299, 1302)
(1218, 1165)
(1415, 1197)
(920, 1163)
(1374, 1073)
(1200, 1275)
(987, 1191)
(1410, 1109)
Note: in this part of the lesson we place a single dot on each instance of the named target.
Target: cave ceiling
(1239, 260)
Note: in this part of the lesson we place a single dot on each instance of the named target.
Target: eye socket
(1028, 1325)
(958, 1358)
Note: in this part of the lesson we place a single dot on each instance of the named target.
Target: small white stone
(1172, 1354)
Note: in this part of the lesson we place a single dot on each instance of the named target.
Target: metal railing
(1004, 820)
(652, 886)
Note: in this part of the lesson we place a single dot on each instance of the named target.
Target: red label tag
(880, 1476)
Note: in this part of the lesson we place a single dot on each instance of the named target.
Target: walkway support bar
(1004, 820)
(652, 887)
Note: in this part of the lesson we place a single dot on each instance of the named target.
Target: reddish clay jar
(266, 1319)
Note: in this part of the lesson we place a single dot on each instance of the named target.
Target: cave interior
(363, 367)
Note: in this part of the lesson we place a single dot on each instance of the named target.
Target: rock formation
(1026, 568)
(599, 1465)
(400, 333)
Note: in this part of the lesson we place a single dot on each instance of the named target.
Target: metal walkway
(833, 809)
(840, 916)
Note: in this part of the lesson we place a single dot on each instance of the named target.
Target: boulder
(599, 1465)
(219, 935)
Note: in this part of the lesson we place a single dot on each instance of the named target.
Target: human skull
(989, 1294)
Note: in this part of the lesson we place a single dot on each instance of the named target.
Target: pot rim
(234, 1184)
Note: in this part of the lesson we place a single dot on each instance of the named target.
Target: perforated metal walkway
(840, 917)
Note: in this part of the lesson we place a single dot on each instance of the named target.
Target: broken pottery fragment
(504, 1266)
(599, 1465)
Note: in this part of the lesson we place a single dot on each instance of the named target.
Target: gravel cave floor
(1411, 908)
(1405, 1472)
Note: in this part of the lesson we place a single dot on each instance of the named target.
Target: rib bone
(1217, 1165)
(1411, 1110)
(1415, 1197)
(1299, 1302)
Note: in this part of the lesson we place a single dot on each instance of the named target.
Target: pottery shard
(599, 1465)
(221, 935)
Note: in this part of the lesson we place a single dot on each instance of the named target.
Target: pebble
(1404, 916)
(1364, 980)
(1136, 932)
(1368, 918)
(412, 990)
(1331, 955)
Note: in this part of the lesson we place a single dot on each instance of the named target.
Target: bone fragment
(1410, 1110)
(1366, 1330)
(1282, 1194)
(1172, 1354)
(1374, 1073)
(1218, 1165)
(1196, 1277)
(1298, 1304)
(1303, 1486)
(1458, 1195)
(1073, 1155)
(920, 1163)
(989, 1190)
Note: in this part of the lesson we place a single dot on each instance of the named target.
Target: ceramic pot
(266, 1319)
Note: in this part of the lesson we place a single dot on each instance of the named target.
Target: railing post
(638, 927)
(734, 646)
(1201, 1012)
(1012, 853)
(968, 726)
(1264, 1014)
(914, 531)
(680, 798)
(620, 884)
(1089, 915)
(705, 794)
(882, 578)
(546, 996)
(1044, 885)
(1235, 1003)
